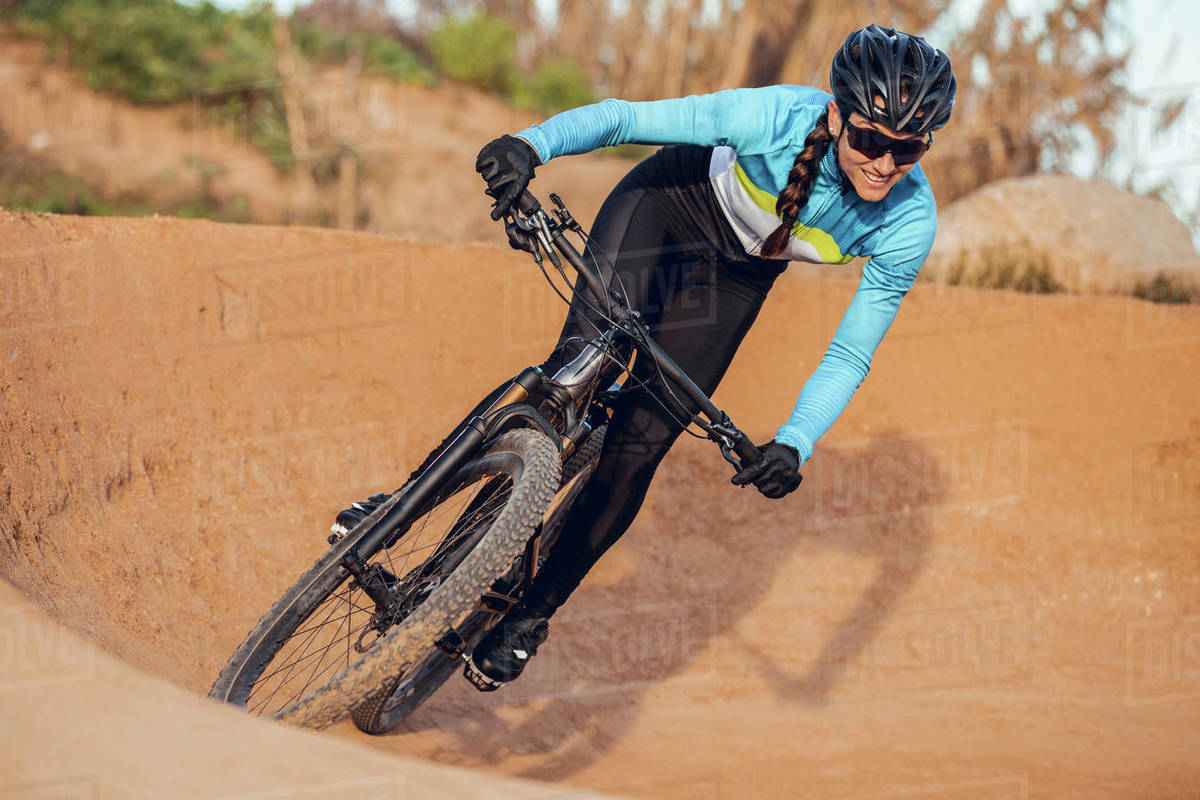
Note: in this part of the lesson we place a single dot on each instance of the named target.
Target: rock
(1058, 231)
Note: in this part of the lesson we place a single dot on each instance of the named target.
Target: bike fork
(465, 445)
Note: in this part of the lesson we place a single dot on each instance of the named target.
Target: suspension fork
(466, 444)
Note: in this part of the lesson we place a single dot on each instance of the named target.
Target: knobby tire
(405, 692)
(533, 465)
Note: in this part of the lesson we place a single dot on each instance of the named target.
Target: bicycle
(503, 483)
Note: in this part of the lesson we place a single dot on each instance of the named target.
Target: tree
(1032, 88)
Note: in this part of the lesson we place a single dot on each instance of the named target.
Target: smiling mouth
(875, 179)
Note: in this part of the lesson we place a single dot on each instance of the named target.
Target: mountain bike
(396, 605)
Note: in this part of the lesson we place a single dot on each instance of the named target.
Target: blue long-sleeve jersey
(757, 134)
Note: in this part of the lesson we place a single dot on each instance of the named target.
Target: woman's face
(871, 178)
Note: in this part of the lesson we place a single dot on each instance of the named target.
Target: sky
(1162, 68)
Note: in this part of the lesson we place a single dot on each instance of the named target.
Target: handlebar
(720, 429)
(528, 204)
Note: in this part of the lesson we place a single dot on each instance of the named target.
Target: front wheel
(326, 645)
(403, 693)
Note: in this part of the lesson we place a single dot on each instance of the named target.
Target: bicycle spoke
(342, 620)
(315, 674)
(451, 539)
(333, 607)
(324, 652)
(298, 652)
(427, 519)
(429, 550)
(300, 692)
(287, 669)
(354, 607)
(446, 542)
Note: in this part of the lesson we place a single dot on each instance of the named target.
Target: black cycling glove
(507, 165)
(776, 474)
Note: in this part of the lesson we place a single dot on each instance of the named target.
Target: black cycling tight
(658, 227)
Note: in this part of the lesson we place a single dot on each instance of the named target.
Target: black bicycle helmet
(906, 72)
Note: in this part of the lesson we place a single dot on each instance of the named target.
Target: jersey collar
(833, 170)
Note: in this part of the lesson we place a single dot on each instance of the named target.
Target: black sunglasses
(873, 144)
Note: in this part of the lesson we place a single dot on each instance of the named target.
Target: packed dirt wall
(987, 586)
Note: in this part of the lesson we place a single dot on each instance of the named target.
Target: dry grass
(1019, 266)
(1166, 288)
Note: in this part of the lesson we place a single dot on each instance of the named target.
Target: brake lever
(564, 217)
(727, 436)
(523, 234)
(727, 454)
(534, 225)
(547, 240)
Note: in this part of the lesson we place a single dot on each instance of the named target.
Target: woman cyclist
(748, 179)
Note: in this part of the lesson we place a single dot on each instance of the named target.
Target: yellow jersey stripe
(821, 241)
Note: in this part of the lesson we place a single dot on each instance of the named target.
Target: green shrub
(161, 51)
(1037, 279)
(957, 273)
(383, 54)
(65, 195)
(154, 51)
(56, 193)
(130, 51)
(31, 185)
(319, 45)
(478, 49)
(240, 55)
(269, 129)
(557, 84)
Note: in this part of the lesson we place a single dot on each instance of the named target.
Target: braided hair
(800, 182)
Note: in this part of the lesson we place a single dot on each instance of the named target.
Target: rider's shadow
(712, 593)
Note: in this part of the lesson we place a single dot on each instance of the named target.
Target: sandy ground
(81, 724)
(987, 587)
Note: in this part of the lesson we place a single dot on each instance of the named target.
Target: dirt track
(988, 586)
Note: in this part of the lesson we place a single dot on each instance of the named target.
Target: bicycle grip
(528, 204)
(747, 452)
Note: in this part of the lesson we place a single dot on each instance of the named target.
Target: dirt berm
(988, 585)
(1087, 236)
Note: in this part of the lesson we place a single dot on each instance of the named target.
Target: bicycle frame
(581, 372)
(570, 387)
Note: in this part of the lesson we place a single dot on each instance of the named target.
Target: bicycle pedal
(452, 644)
(476, 678)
